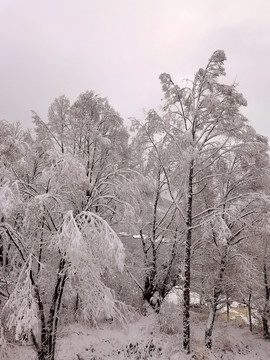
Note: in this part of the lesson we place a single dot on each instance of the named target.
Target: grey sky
(118, 48)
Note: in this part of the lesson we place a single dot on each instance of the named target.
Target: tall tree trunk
(228, 308)
(150, 287)
(214, 302)
(1, 250)
(267, 302)
(210, 324)
(249, 312)
(2, 257)
(186, 289)
(76, 308)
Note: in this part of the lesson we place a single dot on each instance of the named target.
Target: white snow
(236, 313)
(109, 342)
(175, 296)
(123, 233)
(235, 304)
(139, 236)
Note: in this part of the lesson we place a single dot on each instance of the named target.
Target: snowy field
(143, 340)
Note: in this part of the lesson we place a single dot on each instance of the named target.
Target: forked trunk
(46, 350)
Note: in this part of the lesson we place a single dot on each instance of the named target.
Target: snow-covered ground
(239, 314)
(143, 340)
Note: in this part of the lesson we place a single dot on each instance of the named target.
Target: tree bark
(228, 308)
(1, 250)
(186, 288)
(150, 288)
(265, 314)
(214, 303)
(249, 312)
(76, 308)
(46, 351)
(210, 325)
(43, 335)
(54, 310)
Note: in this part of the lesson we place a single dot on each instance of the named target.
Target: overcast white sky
(118, 48)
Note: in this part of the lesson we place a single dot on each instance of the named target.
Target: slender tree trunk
(76, 308)
(214, 303)
(265, 328)
(186, 289)
(88, 157)
(1, 251)
(62, 136)
(150, 287)
(266, 305)
(210, 324)
(90, 169)
(249, 312)
(228, 308)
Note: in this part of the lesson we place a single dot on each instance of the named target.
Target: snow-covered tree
(71, 250)
(53, 223)
(92, 132)
(157, 218)
(203, 124)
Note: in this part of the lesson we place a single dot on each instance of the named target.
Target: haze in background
(118, 48)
